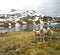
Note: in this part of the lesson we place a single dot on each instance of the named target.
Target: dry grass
(27, 48)
(16, 37)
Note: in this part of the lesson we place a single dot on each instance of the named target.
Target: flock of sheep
(43, 33)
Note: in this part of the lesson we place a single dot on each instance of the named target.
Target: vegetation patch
(20, 43)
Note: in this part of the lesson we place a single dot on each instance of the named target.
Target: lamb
(50, 33)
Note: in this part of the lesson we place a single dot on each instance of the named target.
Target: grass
(16, 37)
(22, 42)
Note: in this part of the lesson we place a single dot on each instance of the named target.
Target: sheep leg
(40, 38)
(50, 37)
(43, 38)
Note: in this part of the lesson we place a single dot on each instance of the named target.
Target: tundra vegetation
(22, 43)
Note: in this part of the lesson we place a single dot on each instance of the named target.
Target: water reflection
(22, 28)
(19, 28)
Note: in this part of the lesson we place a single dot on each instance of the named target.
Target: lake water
(19, 28)
(24, 27)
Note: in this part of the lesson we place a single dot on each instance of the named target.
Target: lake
(18, 28)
